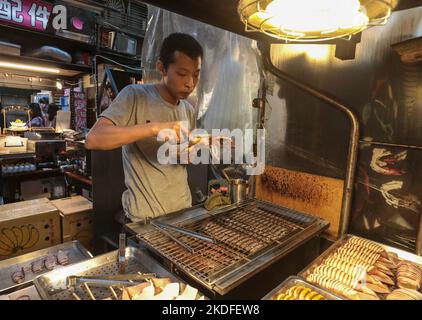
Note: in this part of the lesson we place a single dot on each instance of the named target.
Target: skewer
(76, 296)
(153, 275)
(113, 292)
(89, 291)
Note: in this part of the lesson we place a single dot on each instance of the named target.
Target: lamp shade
(313, 20)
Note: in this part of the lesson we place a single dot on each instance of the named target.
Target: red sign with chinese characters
(32, 14)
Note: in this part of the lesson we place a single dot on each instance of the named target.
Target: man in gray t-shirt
(135, 118)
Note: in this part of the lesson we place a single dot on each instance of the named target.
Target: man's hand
(174, 131)
(105, 135)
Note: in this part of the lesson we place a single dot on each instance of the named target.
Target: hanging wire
(119, 64)
(79, 82)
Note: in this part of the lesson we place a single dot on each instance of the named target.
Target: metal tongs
(119, 280)
(164, 227)
(111, 280)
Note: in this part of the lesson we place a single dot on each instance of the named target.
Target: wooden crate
(28, 226)
(76, 220)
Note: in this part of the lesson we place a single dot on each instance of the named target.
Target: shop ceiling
(223, 14)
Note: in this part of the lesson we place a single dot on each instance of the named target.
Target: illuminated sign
(37, 14)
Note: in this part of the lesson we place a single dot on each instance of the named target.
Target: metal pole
(265, 49)
(387, 144)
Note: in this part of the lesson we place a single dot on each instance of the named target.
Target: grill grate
(241, 233)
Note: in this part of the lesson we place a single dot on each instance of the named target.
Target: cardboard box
(28, 226)
(77, 220)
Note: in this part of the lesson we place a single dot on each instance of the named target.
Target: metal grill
(242, 233)
(53, 285)
(98, 293)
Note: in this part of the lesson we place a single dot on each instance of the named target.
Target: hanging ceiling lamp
(313, 20)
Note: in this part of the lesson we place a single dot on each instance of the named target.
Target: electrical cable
(119, 64)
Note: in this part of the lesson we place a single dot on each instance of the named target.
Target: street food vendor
(133, 121)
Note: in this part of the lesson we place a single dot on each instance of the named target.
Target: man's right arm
(105, 135)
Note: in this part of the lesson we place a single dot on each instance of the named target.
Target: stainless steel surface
(265, 49)
(238, 190)
(131, 277)
(333, 248)
(250, 237)
(296, 281)
(122, 253)
(52, 285)
(396, 145)
(76, 253)
(189, 233)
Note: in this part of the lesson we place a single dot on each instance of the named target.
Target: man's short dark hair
(179, 42)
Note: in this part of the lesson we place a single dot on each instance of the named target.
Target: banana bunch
(17, 238)
(299, 293)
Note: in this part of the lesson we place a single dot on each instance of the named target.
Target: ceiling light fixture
(313, 20)
(5, 64)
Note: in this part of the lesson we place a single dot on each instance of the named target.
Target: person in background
(43, 103)
(37, 120)
(51, 115)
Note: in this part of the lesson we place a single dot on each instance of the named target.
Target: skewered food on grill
(252, 231)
